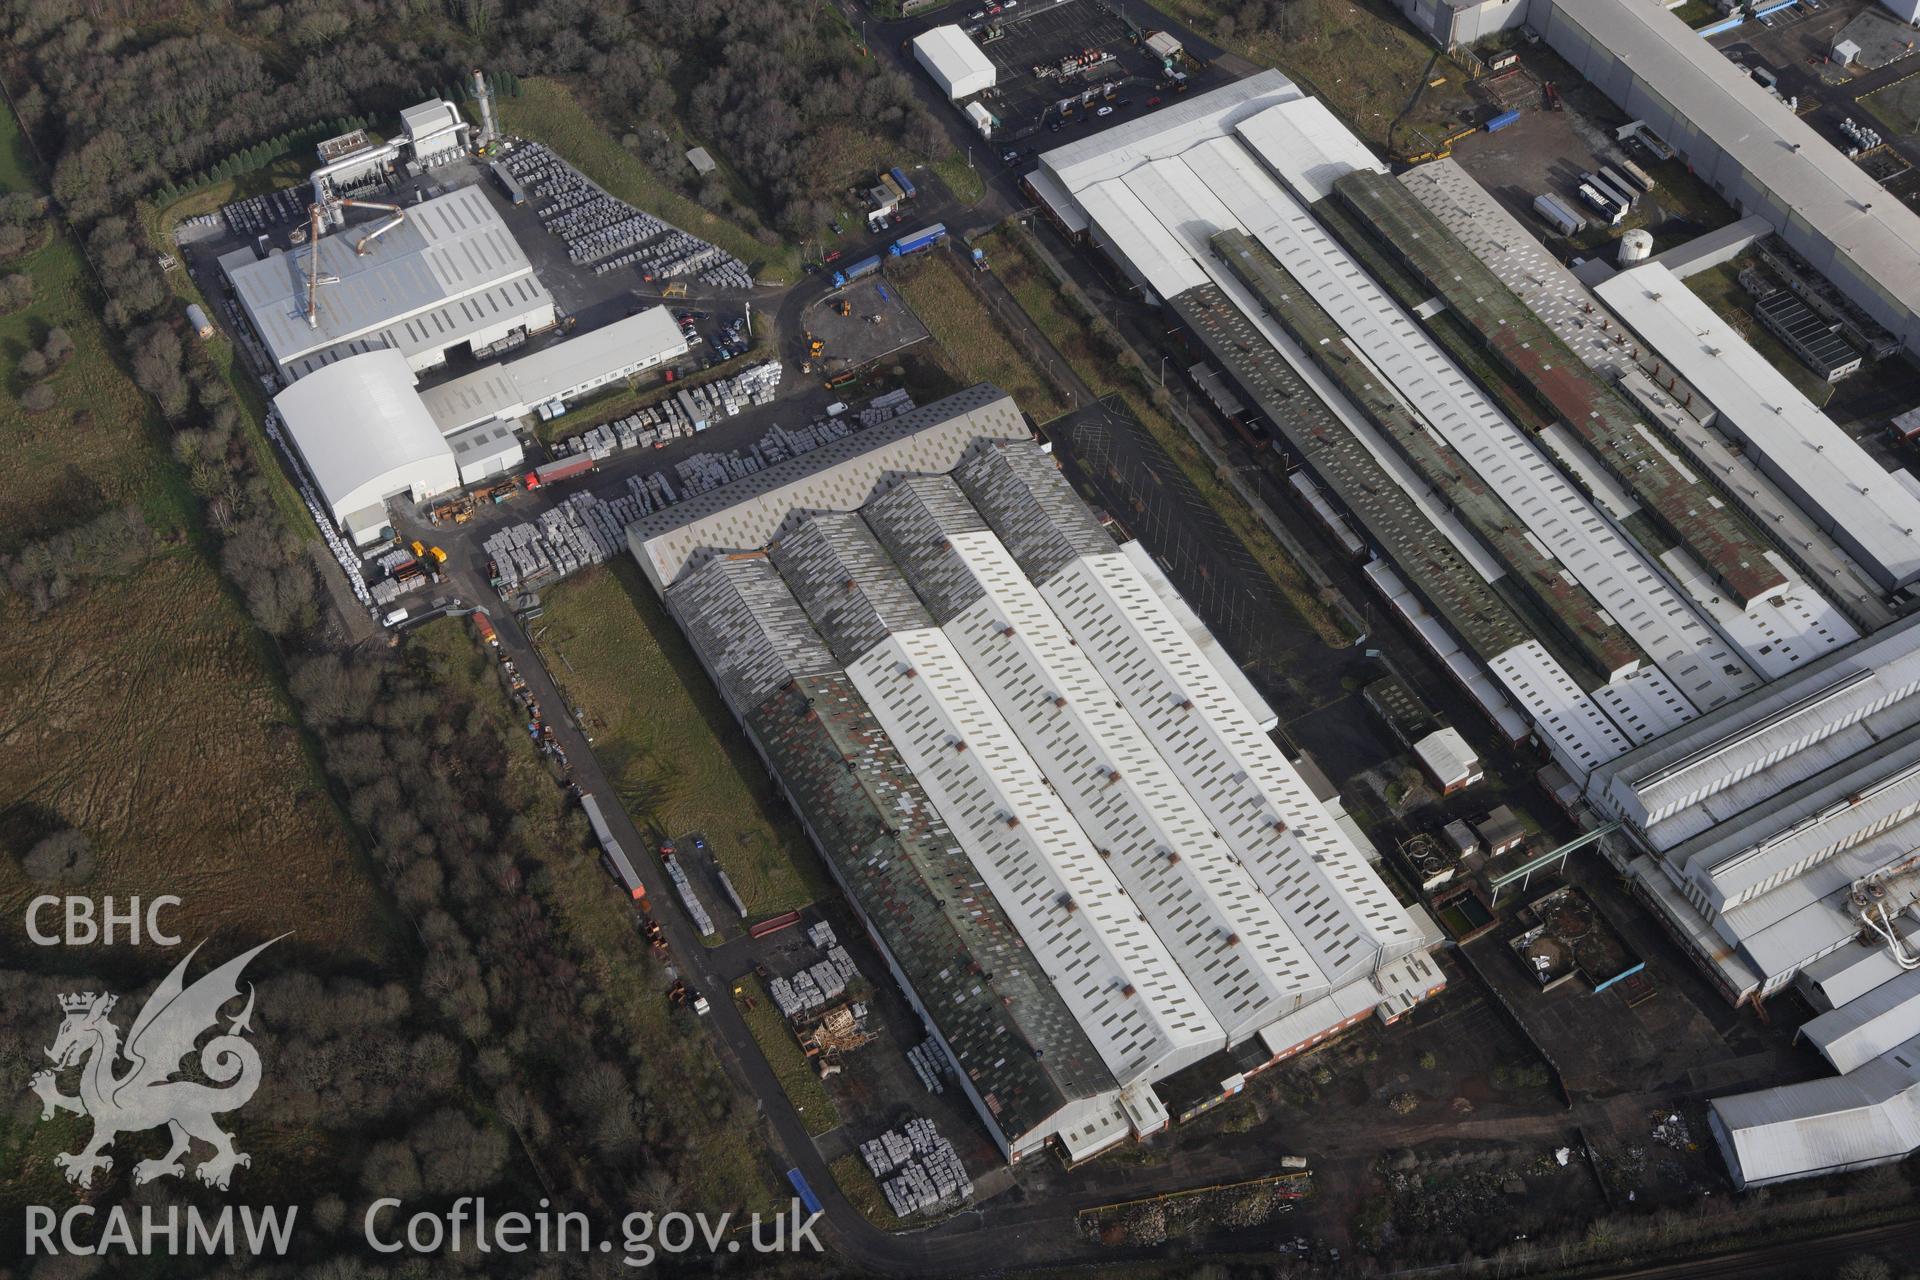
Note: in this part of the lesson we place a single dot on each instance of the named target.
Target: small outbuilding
(1448, 760)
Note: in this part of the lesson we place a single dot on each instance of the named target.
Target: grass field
(962, 178)
(1359, 56)
(665, 738)
(1039, 296)
(973, 341)
(797, 1080)
(548, 111)
(144, 712)
(669, 1046)
(857, 1184)
(1897, 106)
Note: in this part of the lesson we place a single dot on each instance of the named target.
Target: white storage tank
(1635, 246)
(198, 319)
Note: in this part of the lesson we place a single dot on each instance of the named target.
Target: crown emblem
(82, 1001)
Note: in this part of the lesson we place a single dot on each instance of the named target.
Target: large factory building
(1083, 860)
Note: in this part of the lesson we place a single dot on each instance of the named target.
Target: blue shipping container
(805, 1192)
(919, 240)
(1502, 120)
(906, 184)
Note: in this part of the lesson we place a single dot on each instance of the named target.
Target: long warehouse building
(992, 725)
(1215, 206)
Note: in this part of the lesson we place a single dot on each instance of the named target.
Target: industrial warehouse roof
(747, 514)
(954, 57)
(450, 270)
(1800, 167)
(510, 390)
(1307, 146)
(1860, 1031)
(1745, 753)
(1804, 624)
(363, 432)
(1175, 883)
(1862, 1118)
(1876, 512)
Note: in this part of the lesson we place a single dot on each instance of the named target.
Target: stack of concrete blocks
(695, 910)
(927, 1173)
(927, 1063)
(821, 936)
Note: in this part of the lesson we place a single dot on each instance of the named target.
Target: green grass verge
(962, 178)
(666, 739)
(862, 1191)
(1359, 56)
(971, 338)
(548, 111)
(669, 1048)
(1897, 106)
(782, 1052)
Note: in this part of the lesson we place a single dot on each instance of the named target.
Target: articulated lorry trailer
(847, 275)
(919, 240)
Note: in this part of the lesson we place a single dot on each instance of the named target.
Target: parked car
(1154, 101)
(832, 257)
(1104, 111)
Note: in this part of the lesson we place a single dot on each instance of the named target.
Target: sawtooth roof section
(1307, 147)
(1021, 493)
(745, 622)
(1144, 1016)
(846, 582)
(988, 997)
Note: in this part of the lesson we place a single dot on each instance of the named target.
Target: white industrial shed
(1864, 1118)
(560, 371)
(365, 437)
(954, 61)
(450, 274)
(1871, 512)
(1749, 146)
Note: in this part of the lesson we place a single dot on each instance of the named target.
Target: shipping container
(864, 267)
(616, 857)
(563, 469)
(1621, 183)
(1502, 120)
(894, 190)
(1606, 208)
(919, 240)
(1555, 211)
(1607, 189)
(1641, 177)
(484, 625)
(906, 184)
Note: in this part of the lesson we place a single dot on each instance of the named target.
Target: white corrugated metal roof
(1800, 166)
(449, 249)
(1124, 224)
(954, 58)
(363, 432)
(1142, 1013)
(1306, 146)
(1258, 708)
(1447, 756)
(1258, 802)
(1865, 1117)
(1227, 937)
(1879, 516)
(1882, 1019)
(1167, 131)
(510, 390)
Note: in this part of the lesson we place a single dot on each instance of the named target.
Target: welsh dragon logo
(145, 1095)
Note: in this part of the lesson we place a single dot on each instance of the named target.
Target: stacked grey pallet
(785, 999)
(821, 936)
(733, 896)
(827, 980)
(255, 214)
(347, 557)
(926, 1172)
(929, 1064)
(695, 909)
(601, 229)
(387, 590)
(886, 407)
